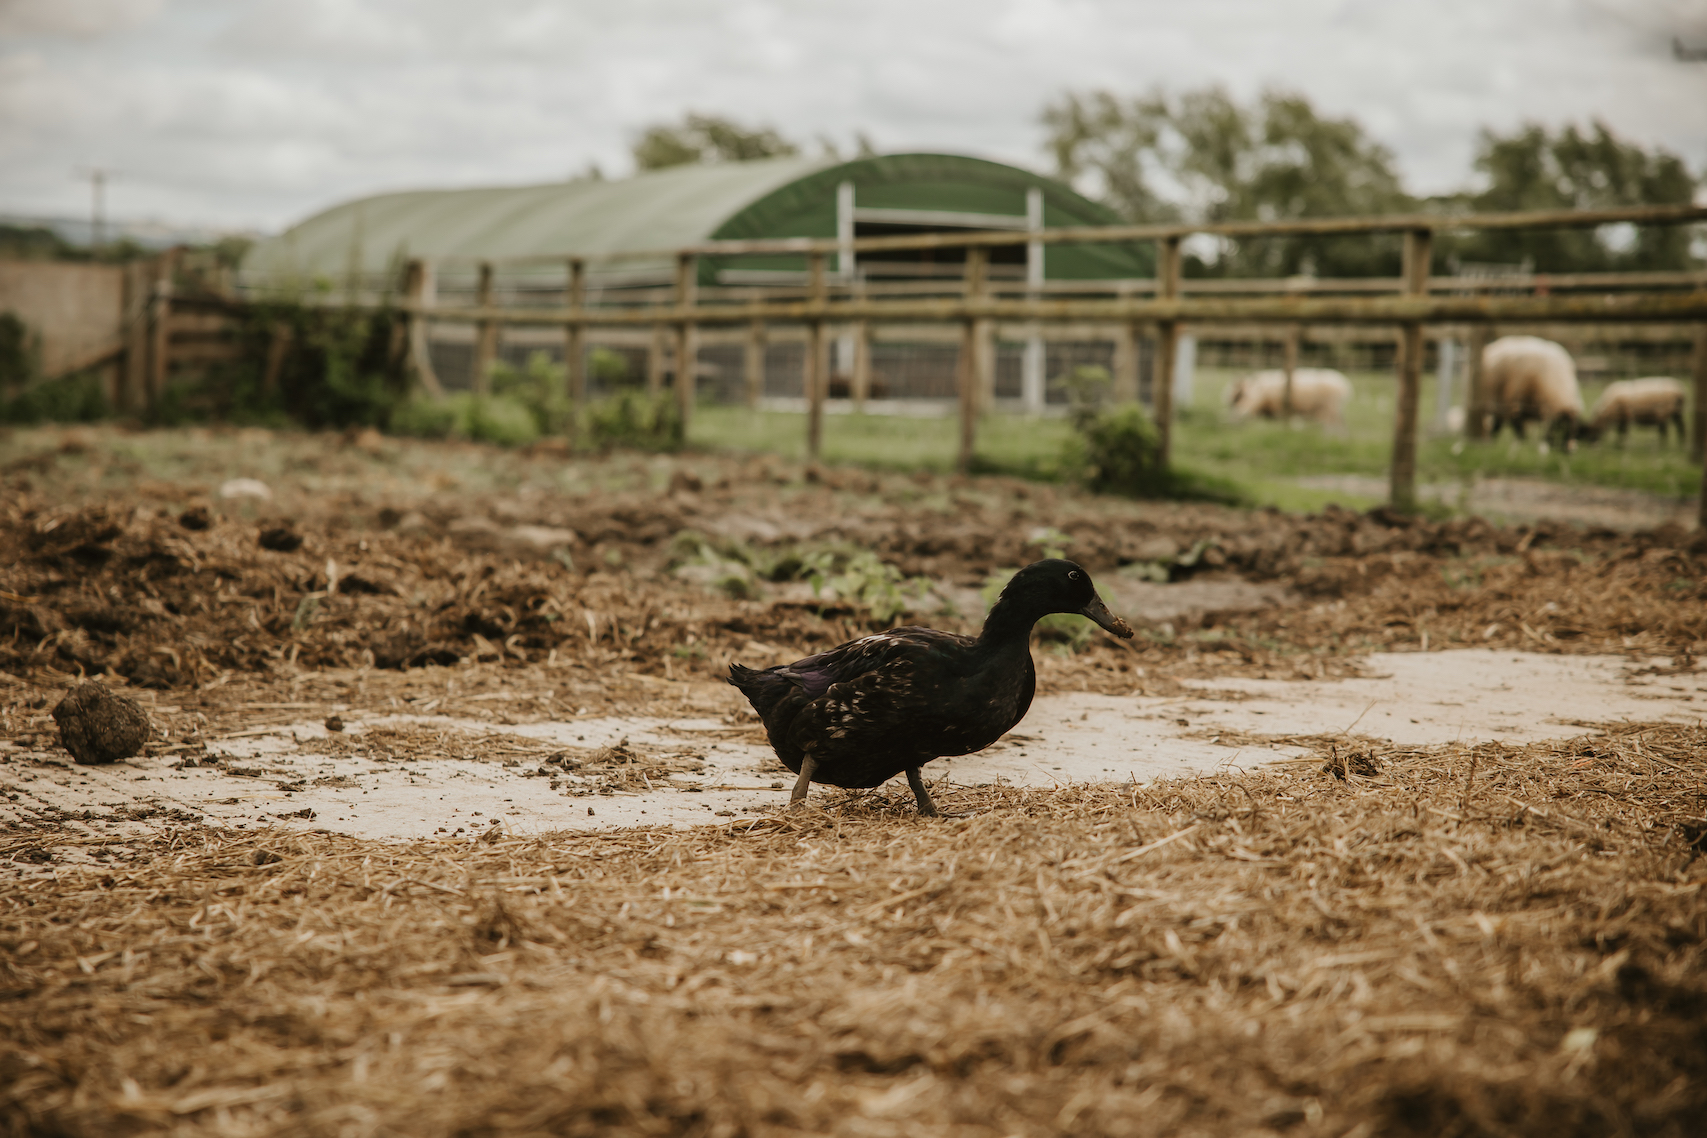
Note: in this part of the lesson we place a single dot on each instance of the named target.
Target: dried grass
(1486, 940)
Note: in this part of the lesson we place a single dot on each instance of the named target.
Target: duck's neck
(1008, 624)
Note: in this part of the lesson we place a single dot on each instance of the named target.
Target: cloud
(82, 19)
(261, 111)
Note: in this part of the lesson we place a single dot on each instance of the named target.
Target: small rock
(245, 488)
(333, 723)
(195, 518)
(98, 725)
(281, 539)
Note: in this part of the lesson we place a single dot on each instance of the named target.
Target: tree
(707, 138)
(1204, 157)
(1533, 168)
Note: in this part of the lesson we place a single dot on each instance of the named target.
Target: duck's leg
(926, 806)
(808, 768)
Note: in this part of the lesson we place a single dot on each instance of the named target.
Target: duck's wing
(879, 652)
(886, 706)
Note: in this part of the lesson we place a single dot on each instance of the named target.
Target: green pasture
(1266, 459)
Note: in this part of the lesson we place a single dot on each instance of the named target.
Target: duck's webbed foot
(926, 806)
(808, 768)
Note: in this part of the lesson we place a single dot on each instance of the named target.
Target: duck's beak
(1098, 612)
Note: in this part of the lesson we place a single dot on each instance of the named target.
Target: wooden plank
(687, 348)
(1124, 389)
(159, 325)
(1475, 393)
(1291, 367)
(133, 381)
(1402, 481)
(1167, 345)
(1698, 436)
(486, 334)
(755, 363)
(655, 361)
(1612, 308)
(575, 350)
(966, 373)
(816, 382)
(860, 383)
(1102, 234)
(418, 292)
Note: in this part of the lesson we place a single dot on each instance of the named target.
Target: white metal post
(1445, 378)
(845, 230)
(1185, 370)
(1032, 365)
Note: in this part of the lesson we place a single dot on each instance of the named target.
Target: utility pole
(98, 204)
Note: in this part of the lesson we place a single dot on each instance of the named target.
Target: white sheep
(1650, 402)
(1318, 393)
(1527, 378)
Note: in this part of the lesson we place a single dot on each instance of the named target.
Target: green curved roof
(683, 205)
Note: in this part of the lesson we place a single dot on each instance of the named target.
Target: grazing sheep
(1525, 378)
(1318, 393)
(1651, 402)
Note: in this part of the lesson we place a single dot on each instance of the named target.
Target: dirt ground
(1382, 825)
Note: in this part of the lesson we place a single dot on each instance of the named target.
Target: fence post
(1124, 389)
(1698, 422)
(1167, 348)
(575, 347)
(860, 382)
(1475, 398)
(1402, 483)
(485, 334)
(133, 373)
(815, 377)
(1293, 334)
(687, 340)
(418, 292)
(1699, 419)
(159, 326)
(655, 363)
(755, 362)
(977, 258)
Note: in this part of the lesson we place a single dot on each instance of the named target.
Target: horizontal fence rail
(1122, 234)
(836, 290)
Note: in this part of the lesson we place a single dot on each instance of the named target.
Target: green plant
(540, 386)
(634, 419)
(496, 419)
(865, 580)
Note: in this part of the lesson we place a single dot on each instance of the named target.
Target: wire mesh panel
(785, 371)
(914, 371)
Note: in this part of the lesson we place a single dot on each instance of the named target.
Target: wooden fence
(975, 300)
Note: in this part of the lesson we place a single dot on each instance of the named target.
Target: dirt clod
(280, 539)
(195, 518)
(334, 723)
(98, 725)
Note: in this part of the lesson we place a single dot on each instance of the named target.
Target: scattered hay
(1468, 941)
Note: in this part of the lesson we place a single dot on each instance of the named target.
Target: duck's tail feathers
(763, 689)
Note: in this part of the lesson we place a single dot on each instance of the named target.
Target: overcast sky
(256, 113)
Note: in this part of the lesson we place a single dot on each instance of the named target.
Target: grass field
(1264, 458)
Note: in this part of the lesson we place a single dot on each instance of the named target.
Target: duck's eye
(1075, 575)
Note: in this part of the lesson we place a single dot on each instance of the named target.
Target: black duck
(867, 710)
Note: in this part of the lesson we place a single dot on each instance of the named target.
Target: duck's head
(1055, 585)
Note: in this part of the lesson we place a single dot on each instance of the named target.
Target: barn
(527, 232)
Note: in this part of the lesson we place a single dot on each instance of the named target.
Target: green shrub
(541, 387)
(424, 418)
(634, 419)
(490, 418)
(498, 419)
(72, 399)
